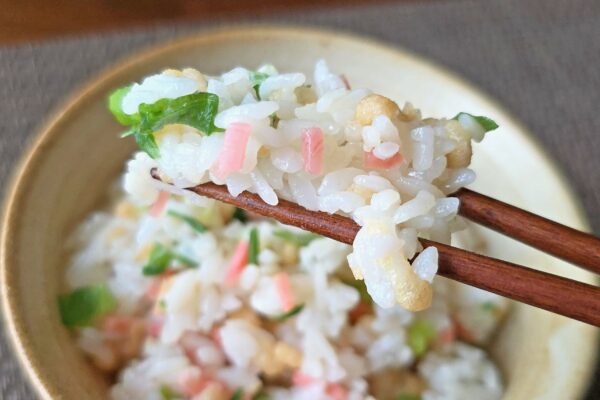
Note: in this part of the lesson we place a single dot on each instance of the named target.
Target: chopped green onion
(83, 305)
(162, 304)
(408, 397)
(274, 120)
(262, 395)
(293, 312)
(188, 262)
(159, 260)
(486, 123)
(238, 394)
(299, 239)
(115, 105)
(488, 306)
(256, 79)
(166, 393)
(191, 221)
(161, 257)
(240, 215)
(254, 247)
(420, 333)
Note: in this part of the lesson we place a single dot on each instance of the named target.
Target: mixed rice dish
(177, 296)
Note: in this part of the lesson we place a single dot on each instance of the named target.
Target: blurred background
(539, 58)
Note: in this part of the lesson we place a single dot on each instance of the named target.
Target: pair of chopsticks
(560, 295)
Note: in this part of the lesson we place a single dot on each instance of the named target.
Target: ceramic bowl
(78, 154)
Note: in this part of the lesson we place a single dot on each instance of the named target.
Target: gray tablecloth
(539, 58)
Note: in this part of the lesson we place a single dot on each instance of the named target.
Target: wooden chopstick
(551, 237)
(553, 293)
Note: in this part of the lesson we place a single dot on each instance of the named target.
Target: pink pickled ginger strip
(301, 379)
(191, 382)
(372, 162)
(238, 263)
(345, 80)
(335, 391)
(233, 153)
(284, 289)
(313, 150)
(159, 205)
(154, 326)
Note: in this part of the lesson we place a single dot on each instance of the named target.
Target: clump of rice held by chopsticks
(322, 145)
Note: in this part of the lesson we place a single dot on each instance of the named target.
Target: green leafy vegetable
(254, 247)
(166, 393)
(238, 394)
(408, 397)
(197, 110)
(298, 239)
(83, 305)
(293, 312)
(256, 79)
(191, 221)
(240, 215)
(115, 105)
(486, 123)
(420, 333)
(160, 259)
(162, 304)
(147, 143)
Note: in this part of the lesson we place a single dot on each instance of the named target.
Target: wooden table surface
(33, 20)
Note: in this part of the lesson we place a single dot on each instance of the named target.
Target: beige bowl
(67, 171)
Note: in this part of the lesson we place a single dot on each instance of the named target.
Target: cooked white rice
(187, 330)
(291, 323)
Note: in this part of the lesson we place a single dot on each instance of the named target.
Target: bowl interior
(79, 154)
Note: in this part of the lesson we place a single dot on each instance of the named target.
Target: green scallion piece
(238, 394)
(256, 79)
(420, 334)
(488, 306)
(254, 247)
(293, 312)
(160, 259)
(191, 221)
(83, 305)
(188, 262)
(298, 239)
(262, 395)
(486, 123)
(166, 393)
(240, 215)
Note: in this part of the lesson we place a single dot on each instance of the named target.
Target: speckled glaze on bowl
(77, 155)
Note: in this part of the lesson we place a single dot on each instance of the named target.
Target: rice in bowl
(186, 298)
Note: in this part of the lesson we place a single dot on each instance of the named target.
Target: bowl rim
(84, 93)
